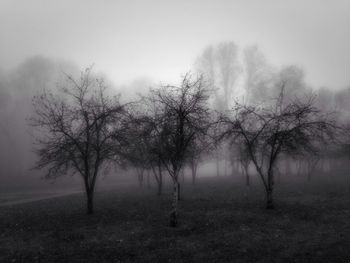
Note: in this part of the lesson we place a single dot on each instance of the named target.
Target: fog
(135, 45)
(121, 121)
(161, 39)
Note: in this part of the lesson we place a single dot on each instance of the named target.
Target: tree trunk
(194, 171)
(140, 176)
(178, 191)
(89, 191)
(269, 199)
(247, 179)
(90, 204)
(225, 166)
(288, 167)
(173, 213)
(233, 168)
(159, 178)
(217, 166)
(193, 176)
(269, 190)
(160, 181)
(237, 168)
(311, 168)
(299, 172)
(148, 180)
(245, 170)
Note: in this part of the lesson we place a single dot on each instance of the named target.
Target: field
(221, 220)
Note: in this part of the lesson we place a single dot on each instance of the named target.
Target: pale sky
(160, 39)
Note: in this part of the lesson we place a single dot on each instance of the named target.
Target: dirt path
(22, 198)
(37, 198)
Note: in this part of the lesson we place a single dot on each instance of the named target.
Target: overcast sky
(160, 39)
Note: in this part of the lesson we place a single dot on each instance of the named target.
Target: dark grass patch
(220, 221)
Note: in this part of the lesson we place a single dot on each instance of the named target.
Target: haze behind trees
(251, 80)
(234, 75)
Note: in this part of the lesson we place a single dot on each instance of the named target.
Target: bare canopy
(285, 127)
(182, 117)
(81, 129)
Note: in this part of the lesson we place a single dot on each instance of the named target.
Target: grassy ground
(220, 221)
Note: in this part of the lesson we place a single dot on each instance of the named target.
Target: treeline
(233, 107)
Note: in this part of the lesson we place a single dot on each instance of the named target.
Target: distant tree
(81, 130)
(138, 150)
(17, 87)
(155, 157)
(8, 143)
(259, 75)
(342, 149)
(157, 169)
(147, 126)
(183, 116)
(200, 147)
(193, 160)
(342, 105)
(144, 151)
(325, 100)
(312, 161)
(221, 68)
(292, 79)
(206, 65)
(229, 69)
(281, 128)
(244, 160)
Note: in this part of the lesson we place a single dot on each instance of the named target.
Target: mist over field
(183, 131)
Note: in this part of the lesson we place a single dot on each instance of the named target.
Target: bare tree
(193, 160)
(206, 65)
(221, 68)
(157, 169)
(144, 145)
(229, 68)
(292, 79)
(200, 146)
(81, 129)
(282, 128)
(183, 115)
(244, 160)
(147, 121)
(155, 160)
(258, 75)
(138, 150)
(312, 162)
